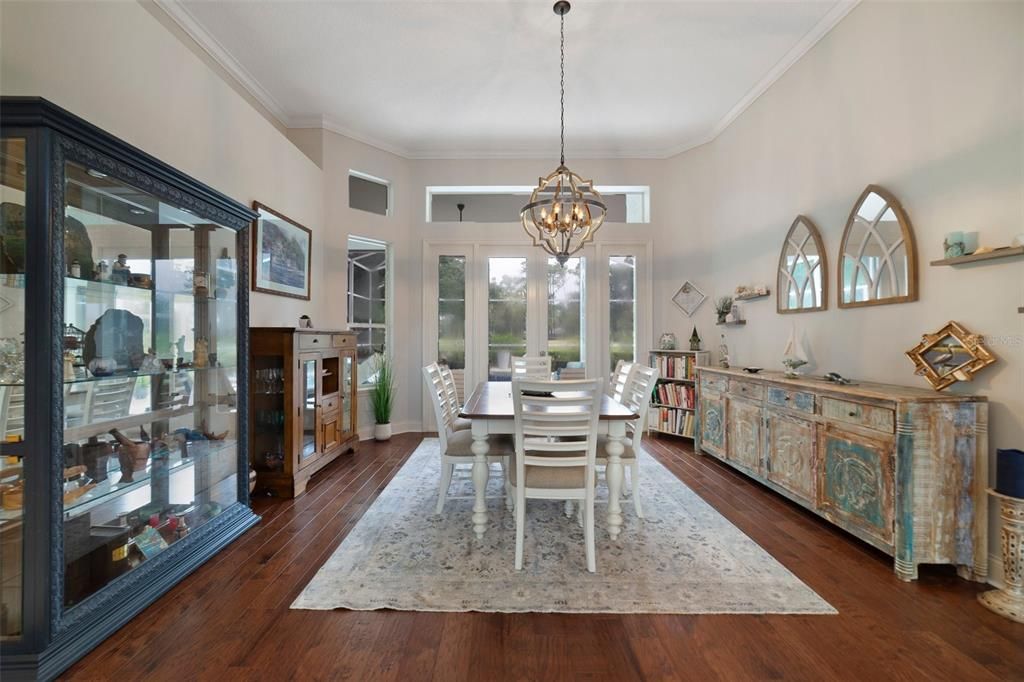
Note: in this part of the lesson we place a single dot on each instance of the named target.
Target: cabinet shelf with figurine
(673, 408)
(123, 404)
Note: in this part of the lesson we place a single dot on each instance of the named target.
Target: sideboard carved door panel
(791, 457)
(855, 480)
(744, 435)
(712, 422)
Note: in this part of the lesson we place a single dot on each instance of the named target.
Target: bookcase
(674, 398)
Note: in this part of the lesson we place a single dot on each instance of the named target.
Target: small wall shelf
(752, 297)
(1004, 252)
(737, 323)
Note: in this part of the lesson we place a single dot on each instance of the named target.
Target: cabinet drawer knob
(788, 398)
(851, 414)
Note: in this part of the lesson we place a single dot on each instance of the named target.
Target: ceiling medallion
(564, 210)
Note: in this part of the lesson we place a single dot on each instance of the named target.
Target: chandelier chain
(562, 88)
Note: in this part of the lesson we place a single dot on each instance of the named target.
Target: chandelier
(564, 210)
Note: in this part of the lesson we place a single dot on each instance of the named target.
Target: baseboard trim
(366, 431)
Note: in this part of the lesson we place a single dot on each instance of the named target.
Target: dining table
(491, 410)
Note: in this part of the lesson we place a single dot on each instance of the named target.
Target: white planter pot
(382, 431)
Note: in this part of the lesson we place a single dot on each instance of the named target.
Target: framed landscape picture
(281, 254)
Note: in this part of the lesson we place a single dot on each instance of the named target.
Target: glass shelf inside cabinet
(150, 381)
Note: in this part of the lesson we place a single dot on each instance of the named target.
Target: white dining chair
(532, 367)
(555, 451)
(456, 446)
(617, 382)
(636, 395)
(451, 391)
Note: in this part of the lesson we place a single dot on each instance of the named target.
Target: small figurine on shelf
(200, 284)
(69, 365)
(120, 272)
(695, 340)
(76, 268)
(102, 272)
(723, 351)
(150, 364)
(200, 356)
(667, 341)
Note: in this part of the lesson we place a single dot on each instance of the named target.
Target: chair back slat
(451, 393)
(637, 397)
(438, 397)
(527, 367)
(617, 383)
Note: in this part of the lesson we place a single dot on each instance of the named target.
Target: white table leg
(480, 474)
(613, 472)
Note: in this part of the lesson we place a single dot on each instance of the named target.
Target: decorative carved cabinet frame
(887, 252)
(803, 233)
(950, 355)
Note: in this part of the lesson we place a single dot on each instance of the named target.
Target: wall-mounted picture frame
(689, 298)
(282, 252)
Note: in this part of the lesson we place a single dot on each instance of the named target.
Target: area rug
(684, 557)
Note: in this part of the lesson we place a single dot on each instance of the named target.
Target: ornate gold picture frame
(950, 355)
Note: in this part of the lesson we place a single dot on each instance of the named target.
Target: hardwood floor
(230, 620)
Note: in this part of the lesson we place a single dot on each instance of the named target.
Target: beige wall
(925, 99)
(116, 66)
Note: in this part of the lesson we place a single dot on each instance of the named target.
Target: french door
(487, 303)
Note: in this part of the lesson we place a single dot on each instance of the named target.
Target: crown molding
(188, 23)
(176, 11)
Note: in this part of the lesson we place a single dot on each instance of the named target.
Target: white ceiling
(480, 78)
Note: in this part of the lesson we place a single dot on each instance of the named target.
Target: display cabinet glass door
(13, 173)
(150, 419)
(347, 418)
(310, 378)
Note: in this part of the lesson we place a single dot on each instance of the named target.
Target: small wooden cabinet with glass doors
(303, 404)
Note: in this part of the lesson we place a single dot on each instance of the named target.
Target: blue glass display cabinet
(123, 382)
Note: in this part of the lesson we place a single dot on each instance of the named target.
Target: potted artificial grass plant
(382, 397)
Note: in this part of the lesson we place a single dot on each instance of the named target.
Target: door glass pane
(308, 408)
(346, 393)
(451, 311)
(566, 342)
(621, 309)
(13, 172)
(506, 315)
(150, 384)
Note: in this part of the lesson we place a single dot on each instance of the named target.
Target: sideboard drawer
(746, 389)
(878, 418)
(713, 382)
(314, 341)
(343, 340)
(792, 400)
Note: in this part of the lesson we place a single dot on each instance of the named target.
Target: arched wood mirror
(877, 258)
(803, 270)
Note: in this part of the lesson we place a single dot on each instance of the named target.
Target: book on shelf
(675, 395)
(675, 366)
(674, 421)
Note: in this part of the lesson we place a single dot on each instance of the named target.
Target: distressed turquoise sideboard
(903, 469)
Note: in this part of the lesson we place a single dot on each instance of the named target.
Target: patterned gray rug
(684, 558)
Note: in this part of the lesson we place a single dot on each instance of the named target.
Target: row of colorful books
(675, 366)
(673, 421)
(676, 395)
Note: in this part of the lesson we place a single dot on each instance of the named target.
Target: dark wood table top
(493, 400)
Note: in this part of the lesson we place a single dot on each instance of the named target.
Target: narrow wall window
(621, 308)
(368, 193)
(506, 315)
(367, 302)
(451, 311)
